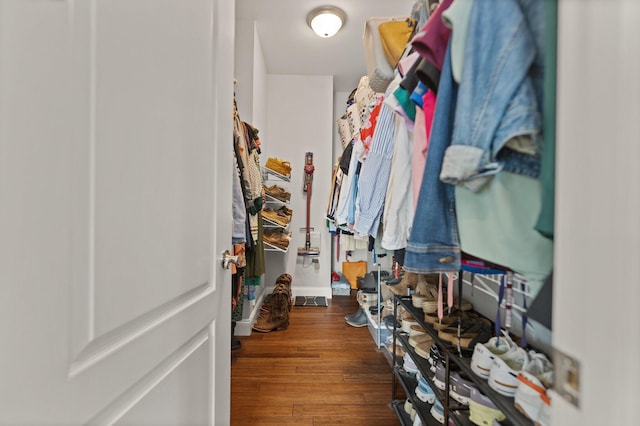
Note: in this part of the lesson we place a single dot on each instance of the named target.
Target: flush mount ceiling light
(326, 21)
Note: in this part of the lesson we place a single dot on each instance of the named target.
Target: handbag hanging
(353, 270)
(394, 37)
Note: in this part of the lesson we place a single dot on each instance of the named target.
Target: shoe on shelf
(435, 357)
(467, 333)
(279, 166)
(482, 411)
(460, 387)
(277, 192)
(360, 320)
(422, 349)
(407, 323)
(277, 237)
(391, 322)
(276, 216)
(534, 380)
(408, 408)
(420, 339)
(416, 330)
(484, 353)
(408, 281)
(424, 391)
(409, 366)
(544, 417)
(440, 375)
(417, 421)
(503, 377)
(437, 411)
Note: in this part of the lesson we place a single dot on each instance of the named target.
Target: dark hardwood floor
(320, 371)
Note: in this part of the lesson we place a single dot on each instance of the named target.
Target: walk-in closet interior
(436, 174)
(220, 212)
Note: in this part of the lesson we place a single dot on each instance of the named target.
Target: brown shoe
(265, 325)
(278, 238)
(409, 280)
(277, 192)
(276, 217)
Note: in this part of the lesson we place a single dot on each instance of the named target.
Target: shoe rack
(454, 412)
(269, 175)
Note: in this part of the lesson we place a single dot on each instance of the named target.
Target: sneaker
(408, 408)
(360, 320)
(440, 376)
(482, 411)
(409, 366)
(424, 391)
(391, 322)
(460, 387)
(544, 417)
(435, 357)
(437, 411)
(535, 379)
(484, 353)
(503, 377)
(417, 421)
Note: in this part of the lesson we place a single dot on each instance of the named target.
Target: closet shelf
(505, 404)
(271, 247)
(271, 224)
(266, 172)
(274, 200)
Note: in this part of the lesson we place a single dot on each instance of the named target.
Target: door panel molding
(101, 347)
(128, 399)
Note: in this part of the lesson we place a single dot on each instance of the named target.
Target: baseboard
(245, 326)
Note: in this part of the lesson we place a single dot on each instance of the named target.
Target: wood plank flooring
(320, 371)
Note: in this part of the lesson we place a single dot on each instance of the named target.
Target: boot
(280, 302)
(265, 325)
(409, 280)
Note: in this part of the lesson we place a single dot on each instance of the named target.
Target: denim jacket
(434, 244)
(498, 114)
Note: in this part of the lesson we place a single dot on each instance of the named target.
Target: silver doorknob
(227, 258)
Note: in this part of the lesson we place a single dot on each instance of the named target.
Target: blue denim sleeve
(496, 100)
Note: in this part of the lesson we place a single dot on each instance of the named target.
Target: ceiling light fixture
(326, 21)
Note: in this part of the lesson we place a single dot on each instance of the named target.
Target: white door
(115, 149)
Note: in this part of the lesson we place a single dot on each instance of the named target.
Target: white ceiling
(290, 47)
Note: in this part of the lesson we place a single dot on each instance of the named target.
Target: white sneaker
(534, 380)
(544, 418)
(408, 365)
(484, 353)
(503, 377)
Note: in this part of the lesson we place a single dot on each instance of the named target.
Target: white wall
(243, 68)
(596, 291)
(299, 119)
